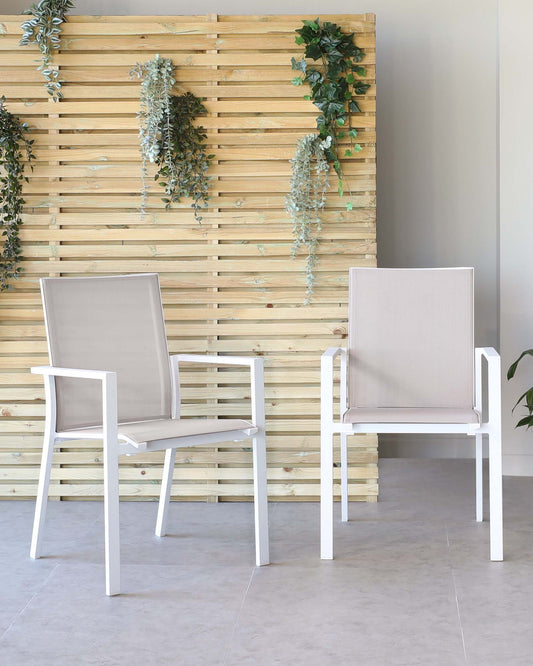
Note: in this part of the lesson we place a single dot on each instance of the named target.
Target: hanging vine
(157, 81)
(170, 139)
(14, 148)
(182, 158)
(334, 88)
(44, 30)
(306, 201)
(333, 83)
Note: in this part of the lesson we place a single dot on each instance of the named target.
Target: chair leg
(164, 497)
(344, 478)
(496, 492)
(479, 478)
(326, 494)
(262, 550)
(112, 524)
(42, 494)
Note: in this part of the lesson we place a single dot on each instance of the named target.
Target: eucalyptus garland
(169, 138)
(44, 29)
(306, 201)
(14, 148)
(334, 85)
(157, 81)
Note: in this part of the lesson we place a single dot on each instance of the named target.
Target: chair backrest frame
(411, 338)
(112, 323)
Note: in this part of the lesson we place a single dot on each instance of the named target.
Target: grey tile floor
(411, 583)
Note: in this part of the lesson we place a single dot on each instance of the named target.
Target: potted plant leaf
(527, 396)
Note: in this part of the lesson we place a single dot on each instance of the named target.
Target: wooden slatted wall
(229, 285)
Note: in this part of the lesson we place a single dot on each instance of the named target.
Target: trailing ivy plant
(14, 148)
(306, 201)
(334, 86)
(527, 396)
(44, 29)
(169, 138)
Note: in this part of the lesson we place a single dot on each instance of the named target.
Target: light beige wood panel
(229, 285)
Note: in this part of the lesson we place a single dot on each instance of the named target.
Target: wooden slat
(229, 285)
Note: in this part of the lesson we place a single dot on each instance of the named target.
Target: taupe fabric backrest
(108, 323)
(411, 341)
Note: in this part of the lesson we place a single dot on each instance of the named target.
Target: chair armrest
(109, 397)
(326, 382)
(333, 352)
(49, 370)
(218, 360)
(257, 381)
(494, 383)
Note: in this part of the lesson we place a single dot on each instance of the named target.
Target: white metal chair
(111, 379)
(411, 367)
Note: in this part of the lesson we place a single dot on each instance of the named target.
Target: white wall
(437, 74)
(516, 230)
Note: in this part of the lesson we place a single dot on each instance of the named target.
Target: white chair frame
(491, 427)
(113, 448)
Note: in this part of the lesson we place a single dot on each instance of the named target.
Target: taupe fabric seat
(410, 415)
(111, 379)
(144, 432)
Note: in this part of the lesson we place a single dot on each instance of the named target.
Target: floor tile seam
(456, 595)
(229, 644)
(18, 615)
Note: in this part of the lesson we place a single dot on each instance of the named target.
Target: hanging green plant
(169, 138)
(182, 157)
(44, 29)
(334, 85)
(307, 198)
(157, 81)
(14, 148)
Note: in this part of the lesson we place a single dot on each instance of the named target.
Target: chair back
(411, 337)
(108, 323)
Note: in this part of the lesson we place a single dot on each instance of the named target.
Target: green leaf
(307, 97)
(350, 78)
(340, 189)
(360, 87)
(299, 65)
(526, 421)
(297, 81)
(299, 40)
(341, 135)
(313, 51)
(513, 366)
(349, 205)
(348, 153)
(353, 133)
(340, 122)
(356, 148)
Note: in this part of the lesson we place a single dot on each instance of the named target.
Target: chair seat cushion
(141, 432)
(410, 415)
